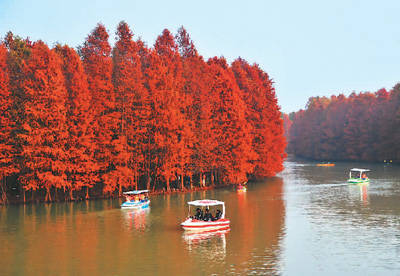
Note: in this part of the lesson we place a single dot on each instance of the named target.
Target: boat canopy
(136, 192)
(206, 202)
(359, 170)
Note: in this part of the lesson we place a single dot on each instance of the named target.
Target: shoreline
(15, 201)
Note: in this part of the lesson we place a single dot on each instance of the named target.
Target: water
(305, 221)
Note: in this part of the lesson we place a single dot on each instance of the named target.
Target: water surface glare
(305, 221)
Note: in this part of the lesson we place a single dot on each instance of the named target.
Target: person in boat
(199, 214)
(364, 176)
(208, 216)
(218, 215)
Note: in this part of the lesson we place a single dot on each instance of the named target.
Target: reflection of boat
(136, 218)
(326, 164)
(199, 223)
(136, 199)
(195, 237)
(208, 244)
(360, 191)
(357, 176)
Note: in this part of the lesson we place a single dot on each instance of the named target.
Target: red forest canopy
(362, 127)
(100, 120)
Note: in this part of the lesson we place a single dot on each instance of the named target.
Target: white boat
(202, 222)
(242, 187)
(136, 199)
(358, 176)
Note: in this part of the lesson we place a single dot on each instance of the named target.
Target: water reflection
(259, 225)
(360, 191)
(98, 238)
(136, 218)
(207, 244)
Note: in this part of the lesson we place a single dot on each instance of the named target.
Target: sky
(309, 47)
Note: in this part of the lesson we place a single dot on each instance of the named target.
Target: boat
(326, 164)
(136, 199)
(197, 223)
(242, 187)
(358, 176)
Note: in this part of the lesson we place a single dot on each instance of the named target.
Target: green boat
(358, 176)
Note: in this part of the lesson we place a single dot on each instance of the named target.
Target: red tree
(264, 118)
(96, 56)
(166, 92)
(81, 169)
(233, 153)
(132, 107)
(7, 148)
(45, 129)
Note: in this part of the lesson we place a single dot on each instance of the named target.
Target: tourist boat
(326, 164)
(136, 199)
(194, 223)
(242, 187)
(358, 176)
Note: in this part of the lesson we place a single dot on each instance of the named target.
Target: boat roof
(359, 170)
(136, 192)
(206, 202)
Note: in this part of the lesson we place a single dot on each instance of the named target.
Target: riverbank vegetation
(99, 120)
(361, 127)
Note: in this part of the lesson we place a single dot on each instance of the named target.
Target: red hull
(193, 224)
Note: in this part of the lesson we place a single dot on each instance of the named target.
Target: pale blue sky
(309, 47)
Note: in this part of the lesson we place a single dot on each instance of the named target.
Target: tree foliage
(362, 127)
(101, 120)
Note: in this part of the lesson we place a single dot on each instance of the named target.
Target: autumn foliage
(100, 120)
(362, 127)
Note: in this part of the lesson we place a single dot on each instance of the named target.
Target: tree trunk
(148, 182)
(182, 183)
(190, 182)
(212, 178)
(87, 192)
(3, 190)
(48, 195)
(168, 188)
(71, 195)
(155, 184)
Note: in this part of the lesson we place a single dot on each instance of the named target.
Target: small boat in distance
(358, 176)
(326, 164)
(242, 187)
(203, 220)
(136, 199)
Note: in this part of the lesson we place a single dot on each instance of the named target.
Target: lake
(305, 221)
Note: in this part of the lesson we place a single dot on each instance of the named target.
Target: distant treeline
(361, 127)
(100, 120)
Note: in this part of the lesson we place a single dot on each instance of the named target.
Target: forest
(98, 120)
(360, 127)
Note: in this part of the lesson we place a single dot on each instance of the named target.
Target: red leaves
(108, 121)
(360, 127)
(45, 132)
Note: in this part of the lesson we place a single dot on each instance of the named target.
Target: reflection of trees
(66, 239)
(260, 223)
